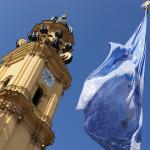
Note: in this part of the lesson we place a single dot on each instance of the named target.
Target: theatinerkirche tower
(33, 77)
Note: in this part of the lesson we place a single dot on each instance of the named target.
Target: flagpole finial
(146, 5)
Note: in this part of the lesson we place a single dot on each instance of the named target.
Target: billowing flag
(112, 96)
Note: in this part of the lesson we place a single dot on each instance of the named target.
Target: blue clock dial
(48, 78)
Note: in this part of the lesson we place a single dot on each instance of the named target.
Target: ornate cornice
(16, 104)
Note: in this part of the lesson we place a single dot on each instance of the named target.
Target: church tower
(33, 77)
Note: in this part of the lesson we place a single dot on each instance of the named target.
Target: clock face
(48, 78)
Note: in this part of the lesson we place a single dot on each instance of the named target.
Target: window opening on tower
(6, 82)
(37, 96)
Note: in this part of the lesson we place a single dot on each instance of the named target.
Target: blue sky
(95, 23)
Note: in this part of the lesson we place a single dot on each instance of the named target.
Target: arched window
(37, 96)
(6, 82)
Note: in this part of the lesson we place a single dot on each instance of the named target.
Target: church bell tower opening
(37, 96)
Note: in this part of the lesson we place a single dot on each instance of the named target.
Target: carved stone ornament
(21, 42)
(36, 140)
(7, 107)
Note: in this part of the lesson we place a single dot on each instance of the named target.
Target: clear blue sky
(95, 23)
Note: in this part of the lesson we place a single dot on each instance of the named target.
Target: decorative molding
(41, 116)
(27, 113)
(7, 107)
(20, 89)
(35, 139)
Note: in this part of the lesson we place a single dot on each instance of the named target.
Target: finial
(66, 14)
(145, 5)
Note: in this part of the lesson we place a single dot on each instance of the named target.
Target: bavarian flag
(112, 96)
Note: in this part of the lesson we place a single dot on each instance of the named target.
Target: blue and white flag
(112, 96)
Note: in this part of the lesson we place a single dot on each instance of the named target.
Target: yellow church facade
(33, 77)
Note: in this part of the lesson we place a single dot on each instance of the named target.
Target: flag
(112, 96)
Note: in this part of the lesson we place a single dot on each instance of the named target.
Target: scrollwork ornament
(7, 107)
